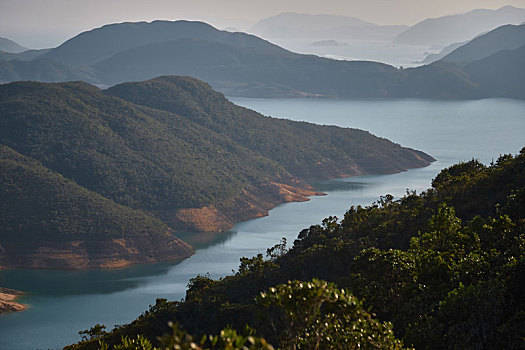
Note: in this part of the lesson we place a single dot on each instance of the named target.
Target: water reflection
(203, 240)
(55, 283)
(339, 185)
(64, 302)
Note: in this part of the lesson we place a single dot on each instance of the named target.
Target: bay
(63, 302)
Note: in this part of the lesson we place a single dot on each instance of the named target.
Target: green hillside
(200, 164)
(446, 267)
(45, 215)
(135, 156)
(305, 150)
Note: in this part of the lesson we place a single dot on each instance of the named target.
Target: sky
(48, 23)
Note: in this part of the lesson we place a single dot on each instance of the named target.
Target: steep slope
(49, 221)
(508, 37)
(101, 43)
(298, 25)
(446, 267)
(500, 74)
(179, 150)
(457, 28)
(135, 156)
(7, 45)
(437, 80)
(337, 151)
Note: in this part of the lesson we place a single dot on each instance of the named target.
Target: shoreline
(7, 301)
(252, 203)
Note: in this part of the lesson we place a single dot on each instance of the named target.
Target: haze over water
(64, 302)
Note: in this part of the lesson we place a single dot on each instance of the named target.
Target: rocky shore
(7, 301)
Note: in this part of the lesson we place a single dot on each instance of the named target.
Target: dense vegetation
(39, 204)
(48, 220)
(305, 150)
(245, 65)
(152, 159)
(175, 143)
(446, 267)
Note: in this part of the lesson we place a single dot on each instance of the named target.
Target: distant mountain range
(93, 178)
(458, 28)
(433, 57)
(9, 46)
(240, 64)
(305, 26)
(102, 43)
(507, 37)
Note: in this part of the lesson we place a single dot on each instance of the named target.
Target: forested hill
(201, 164)
(305, 150)
(239, 64)
(446, 267)
(48, 220)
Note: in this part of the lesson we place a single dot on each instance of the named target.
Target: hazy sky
(47, 23)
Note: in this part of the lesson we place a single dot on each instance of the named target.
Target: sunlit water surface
(63, 302)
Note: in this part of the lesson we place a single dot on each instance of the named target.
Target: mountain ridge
(451, 29)
(322, 26)
(10, 46)
(507, 37)
(101, 43)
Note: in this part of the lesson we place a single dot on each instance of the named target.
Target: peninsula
(97, 178)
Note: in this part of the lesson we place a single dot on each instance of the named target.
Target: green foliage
(38, 204)
(137, 343)
(94, 332)
(446, 267)
(227, 339)
(195, 149)
(318, 315)
(305, 150)
(78, 162)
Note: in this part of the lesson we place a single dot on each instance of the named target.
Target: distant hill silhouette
(101, 43)
(7, 45)
(45, 70)
(500, 74)
(457, 28)
(507, 37)
(297, 25)
(433, 57)
(236, 70)
(240, 64)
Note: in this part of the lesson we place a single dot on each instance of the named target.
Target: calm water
(64, 302)
(369, 50)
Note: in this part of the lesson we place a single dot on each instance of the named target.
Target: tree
(318, 315)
